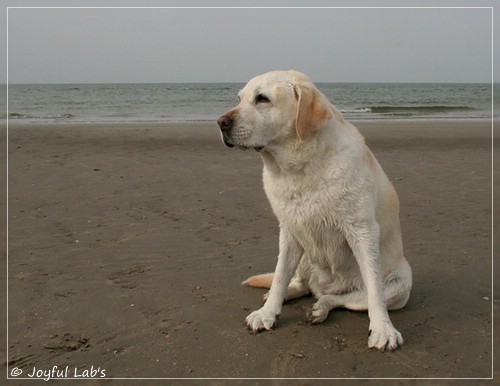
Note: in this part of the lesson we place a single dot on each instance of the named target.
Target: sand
(128, 243)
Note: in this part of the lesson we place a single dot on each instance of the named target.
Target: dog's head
(273, 108)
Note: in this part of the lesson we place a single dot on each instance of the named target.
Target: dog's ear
(312, 112)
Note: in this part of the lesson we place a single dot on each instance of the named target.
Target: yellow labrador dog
(340, 236)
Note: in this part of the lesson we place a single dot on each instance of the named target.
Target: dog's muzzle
(226, 124)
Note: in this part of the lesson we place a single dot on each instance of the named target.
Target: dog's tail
(261, 281)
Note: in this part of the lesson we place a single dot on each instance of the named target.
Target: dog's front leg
(288, 259)
(364, 243)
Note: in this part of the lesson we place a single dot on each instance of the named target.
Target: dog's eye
(261, 98)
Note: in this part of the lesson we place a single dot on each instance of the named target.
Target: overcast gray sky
(232, 45)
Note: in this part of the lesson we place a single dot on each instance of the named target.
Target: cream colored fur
(340, 236)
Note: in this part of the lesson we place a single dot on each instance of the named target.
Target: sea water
(190, 102)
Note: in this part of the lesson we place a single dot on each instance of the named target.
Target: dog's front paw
(262, 319)
(384, 336)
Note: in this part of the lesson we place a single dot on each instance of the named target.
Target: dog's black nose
(225, 122)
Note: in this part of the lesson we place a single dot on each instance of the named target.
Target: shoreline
(149, 232)
(16, 122)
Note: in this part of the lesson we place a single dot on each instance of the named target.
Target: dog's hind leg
(356, 301)
(296, 289)
(396, 290)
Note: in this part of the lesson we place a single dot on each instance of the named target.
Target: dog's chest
(312, 217)
(302, 203)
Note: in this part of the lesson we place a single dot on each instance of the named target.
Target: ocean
(190, 102)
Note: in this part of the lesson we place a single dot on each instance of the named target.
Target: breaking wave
(407, 110)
